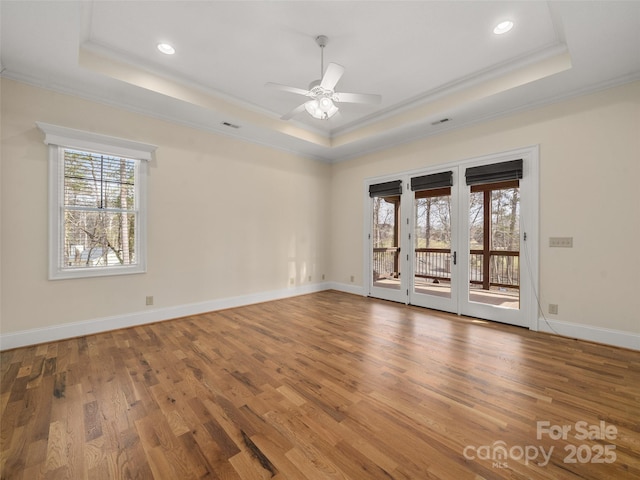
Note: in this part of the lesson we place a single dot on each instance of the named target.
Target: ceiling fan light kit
(322, 105)
(321, 108)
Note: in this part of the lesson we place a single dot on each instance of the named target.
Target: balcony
(433, 273)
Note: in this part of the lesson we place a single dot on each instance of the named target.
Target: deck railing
(504, 268)
(435, 263)
(385, 262)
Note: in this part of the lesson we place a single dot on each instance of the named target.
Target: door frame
(529, 238)
(395, 295)
(447, 304)
(527, 314)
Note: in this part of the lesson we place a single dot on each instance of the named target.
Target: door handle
(455, 258)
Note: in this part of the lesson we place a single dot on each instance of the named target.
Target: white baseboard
(617, 338)
(607, 336)
(35, 336)
(88, 327)
(347, 288)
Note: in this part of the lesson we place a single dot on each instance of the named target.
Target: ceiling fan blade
(286, 88)
(331, 76)
(357, 98)
(293, 113)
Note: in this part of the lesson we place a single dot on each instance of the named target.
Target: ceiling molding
(478, 89)
(486, 83)
(434, 61)
(140, 77)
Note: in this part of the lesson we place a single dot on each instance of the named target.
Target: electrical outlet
(353, 278)
(292, 281)
(323, 276)
(564, 242)
(149, 300)
(309, 277)
(553, 308)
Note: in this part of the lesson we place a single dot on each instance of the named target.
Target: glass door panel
(432, 242)
(494, 244)
(386, 264)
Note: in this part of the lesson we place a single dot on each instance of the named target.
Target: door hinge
(455, 258)
(525, 236)
(407, 258)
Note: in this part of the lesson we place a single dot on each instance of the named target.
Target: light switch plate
(564, 242)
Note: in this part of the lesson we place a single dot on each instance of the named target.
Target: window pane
(118, 179)
(476, 221)
(433, 222)
(384, 219)
(99, 239)
(386, 236)
(81, 180)
(98, 181)
(505, 213)
(494, 237)
(432, 245)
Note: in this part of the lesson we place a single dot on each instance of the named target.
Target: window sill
(89, 272)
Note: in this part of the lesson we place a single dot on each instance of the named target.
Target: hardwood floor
(322, 386)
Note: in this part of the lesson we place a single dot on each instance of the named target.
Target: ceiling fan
(323, 97)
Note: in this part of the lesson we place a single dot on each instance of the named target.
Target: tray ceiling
(429, 60)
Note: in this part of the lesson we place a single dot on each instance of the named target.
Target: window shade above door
(494, 172)
(386, 189)
(435, 180)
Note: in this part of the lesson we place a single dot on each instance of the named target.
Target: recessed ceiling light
(503, 27)
(166, 48)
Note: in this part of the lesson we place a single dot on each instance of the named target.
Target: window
(97, 196)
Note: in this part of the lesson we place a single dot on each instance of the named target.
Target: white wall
(589, 174)
(213, 244)
(227, 219)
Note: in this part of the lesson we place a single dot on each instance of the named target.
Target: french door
(386, 265)
(433, 240)
(453, 238)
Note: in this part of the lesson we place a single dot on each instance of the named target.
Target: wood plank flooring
(321, 386)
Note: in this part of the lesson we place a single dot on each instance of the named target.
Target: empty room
(313, 240)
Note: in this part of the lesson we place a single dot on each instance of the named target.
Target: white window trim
(59, 138)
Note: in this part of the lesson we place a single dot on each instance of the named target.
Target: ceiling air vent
(230, 125)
